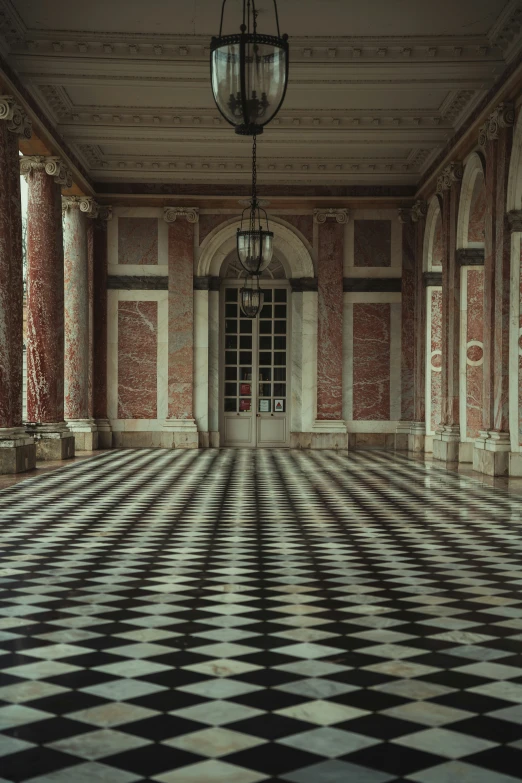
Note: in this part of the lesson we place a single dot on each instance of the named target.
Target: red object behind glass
(244, 405)
(245, 390)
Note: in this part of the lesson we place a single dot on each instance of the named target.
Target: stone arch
(431, 235)
(292, 248)
(472, 203)
(514, 189)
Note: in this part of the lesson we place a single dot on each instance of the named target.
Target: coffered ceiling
(377, 87)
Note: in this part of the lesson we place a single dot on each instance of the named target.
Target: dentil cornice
(339, 215)
(171, 214)
(503, 116)
(17, 120)
(450, 174)
(52, 165)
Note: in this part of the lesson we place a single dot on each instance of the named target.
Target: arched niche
(470, 223)
(432, 250)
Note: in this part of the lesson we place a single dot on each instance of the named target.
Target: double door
(255, 371)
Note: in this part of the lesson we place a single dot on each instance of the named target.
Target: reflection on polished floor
(237, 616)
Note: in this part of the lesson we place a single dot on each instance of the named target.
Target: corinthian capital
(52, 165)
(503, 116)
(451, 174)
(17, 120)
(340, 215)
(171, 214)
(419, 211)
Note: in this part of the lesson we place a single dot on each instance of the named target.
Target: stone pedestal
(85, 431)
(329, 434)
(446, 443)
(402, 436)
(53, 441)
(417, 437)
(180, 434)
(17, 450)
(105, 439)
(491, 454)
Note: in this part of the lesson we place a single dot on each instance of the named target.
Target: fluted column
(416, 440)
(447, 437)
(77, 321)
(180, 429)
(491, 452)
(329, 429)
(17, 450)
(45, 306)
(97, 228)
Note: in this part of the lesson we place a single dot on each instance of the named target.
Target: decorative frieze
(52, 165)
(322, 215)
(450, 174)
(171, 214)
(515, 220)
(501, 117)
(17, 120)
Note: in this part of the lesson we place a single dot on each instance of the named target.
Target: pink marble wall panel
(477, 211)
(408, 321)
(371, 361)
(372, 243)
(181, 319)
(330, 321)
(10, 281)
(137, 360)
(303, 223)
(45, 300)
(436, 358)
(474, 353)
(208, 223)
(438, 247)
(137, 240)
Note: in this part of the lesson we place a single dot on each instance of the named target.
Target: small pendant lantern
(255, 241)
(249, 72)
(251, 297)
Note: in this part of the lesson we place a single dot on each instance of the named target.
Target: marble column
(491, 452)
(77, 322)
(329, 429)
(45, 306)
(17, 449)
(180, 429)
(416, 439)
(97, 229)
(446, 440)
(402, 432)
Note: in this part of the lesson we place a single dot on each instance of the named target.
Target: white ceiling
(377, 87)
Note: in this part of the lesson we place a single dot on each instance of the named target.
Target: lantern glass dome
(249, 73)
(255, 249)
(251, 299)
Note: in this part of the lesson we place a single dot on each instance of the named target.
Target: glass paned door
(254, 377)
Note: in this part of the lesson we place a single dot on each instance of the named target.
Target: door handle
(258, 415)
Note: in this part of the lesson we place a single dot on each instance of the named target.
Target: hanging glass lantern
(249, 72)
(251, 297)
(255, 241)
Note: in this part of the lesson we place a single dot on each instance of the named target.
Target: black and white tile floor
(241, 616)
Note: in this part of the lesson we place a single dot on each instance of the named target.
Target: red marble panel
(371, 361)
(208, 223)
(304, 224)
(438, 246)
(181, 319)
(137, 360)
(436, 358)
(330, 321)
(474, 353)
(137, 240)
(477, 211)
(372, 243)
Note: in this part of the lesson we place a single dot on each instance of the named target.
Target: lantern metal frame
(255, 232)
(248, 36)
(250, 293)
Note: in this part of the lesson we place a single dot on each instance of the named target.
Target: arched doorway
(255, 380)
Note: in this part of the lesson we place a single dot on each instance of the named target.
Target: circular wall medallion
(436, 361)
(474, 353)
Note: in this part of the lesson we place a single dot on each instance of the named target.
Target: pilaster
(97, 233)
(416, 438)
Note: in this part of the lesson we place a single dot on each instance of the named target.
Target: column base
(180, 434)
(402, 435)
(17, 451)
(54, 441)
(104, 433)
(446, 443)
(417, 437)
(85, 434)
(466, 450)
(491, 455)
(329, 434)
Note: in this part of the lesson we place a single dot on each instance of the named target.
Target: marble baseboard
(515, 464)
(105, 439)
(444, 449)
(360, 441)
(417, 443)
(466, 452)
(55, 448)
(319, 440)
(17, 459)
(402, 440)
(85, 441)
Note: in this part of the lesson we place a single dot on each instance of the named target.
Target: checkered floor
(238, 616)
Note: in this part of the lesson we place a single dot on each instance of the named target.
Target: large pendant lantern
(251, 297)
(249, 72)
(254, 239)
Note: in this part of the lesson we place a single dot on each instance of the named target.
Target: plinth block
(55, 448)
(17, 459)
